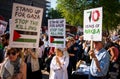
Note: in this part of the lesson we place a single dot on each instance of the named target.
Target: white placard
(3, 26)
(25, 26)
(93, 24)
(57, 31)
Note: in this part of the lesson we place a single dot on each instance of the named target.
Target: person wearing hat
(58, 66)
(100, 61)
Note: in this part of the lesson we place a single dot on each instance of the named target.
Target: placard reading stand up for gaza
(56, 31)
(25, 26)
(93, 24)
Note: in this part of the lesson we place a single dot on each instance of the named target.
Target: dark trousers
(41, 64)
(73, 62)
(33, 75)
(69, 70)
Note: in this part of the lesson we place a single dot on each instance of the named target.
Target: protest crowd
(25, 51)
(61, 62)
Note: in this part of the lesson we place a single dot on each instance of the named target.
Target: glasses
(12, 53)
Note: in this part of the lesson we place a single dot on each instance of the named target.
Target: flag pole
(91, 45)
(22, 55)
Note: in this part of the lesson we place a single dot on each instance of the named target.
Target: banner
(25, 26)
(57, 32)
(93, 24)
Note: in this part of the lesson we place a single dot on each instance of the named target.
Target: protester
(13, 67)
(46, 52)
(58, 66)
(40, 51)
(69, 68)
(4, 40)
(100, 61)
(49, 57)
(115, 36)
(73, 51)
(114, 64)
(80, 42)
(86, 48)
(33, 68)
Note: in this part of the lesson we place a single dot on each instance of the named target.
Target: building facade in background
(6, 8)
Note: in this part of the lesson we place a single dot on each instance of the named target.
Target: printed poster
(3, 26)
(57, 33)
(93, 24)
(25, 26)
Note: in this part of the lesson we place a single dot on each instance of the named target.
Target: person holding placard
(33, 68)
(100, 61)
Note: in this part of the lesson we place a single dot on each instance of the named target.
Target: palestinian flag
(24, 36)
(57, 39)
